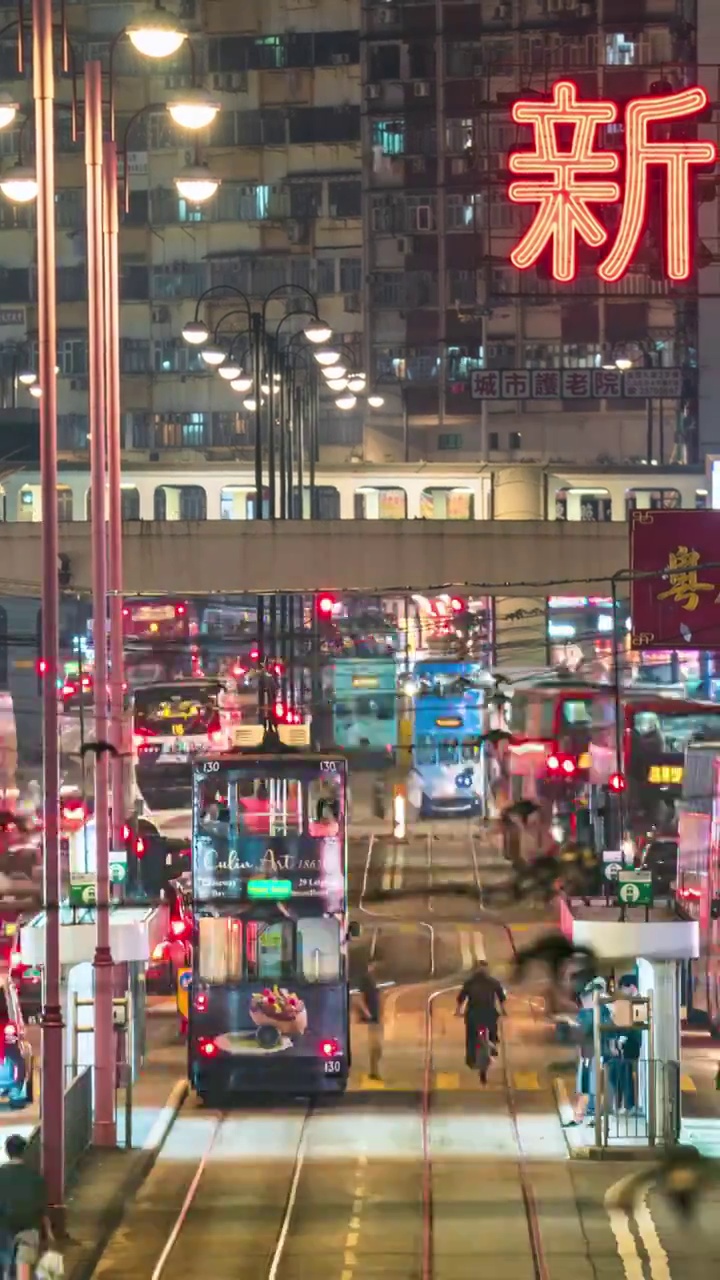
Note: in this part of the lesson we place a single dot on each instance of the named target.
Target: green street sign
(635, 889)
(82, 891)
(269, 889)
(118, 872)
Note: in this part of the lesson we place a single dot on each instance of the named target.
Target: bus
(447, 774)
(697, 883)
(363, 696)
(270, 999)
(158, 619)
(563, 748)
(171, 722)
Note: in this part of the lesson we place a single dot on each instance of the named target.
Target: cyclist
(480, 1000)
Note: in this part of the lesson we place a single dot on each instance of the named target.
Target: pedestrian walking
(371, 1015)
(587, 1068)
(24, 1222)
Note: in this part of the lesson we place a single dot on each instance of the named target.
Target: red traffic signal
(325, 605)
(617, 782)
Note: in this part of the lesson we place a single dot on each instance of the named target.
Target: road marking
(354, 1223)
(465, 950)
(366, 1082)
(185, 1207)
(659, 1261)
(447, 1080)
(525, 1081)
(351, 1240)
(349, 1260)
(399, 866)
(387, 876)
(687, 1084)
(346, 1274)
(479, 946)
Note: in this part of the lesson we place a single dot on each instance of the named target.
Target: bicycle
(483, 1053)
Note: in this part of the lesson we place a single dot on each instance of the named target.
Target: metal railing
(78, 1125)
(639, 1102)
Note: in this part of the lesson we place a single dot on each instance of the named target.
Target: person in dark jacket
(480, 1001)
(371, 1014)
(24, 1222)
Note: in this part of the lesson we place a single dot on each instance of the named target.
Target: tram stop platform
(635, 1075)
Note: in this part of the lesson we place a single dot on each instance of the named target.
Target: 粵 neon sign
(566, 181)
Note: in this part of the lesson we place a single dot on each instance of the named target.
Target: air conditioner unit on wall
(161, 315)
(229, 81)
(421, 88)
(352, 303)
(386, 17)
(373, 91)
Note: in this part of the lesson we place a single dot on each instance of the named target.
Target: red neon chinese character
(563, 201)
(677, 158)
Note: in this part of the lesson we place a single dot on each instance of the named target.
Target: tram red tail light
(616, 782)
(140, 847)
(553, 764)
(201, 1002)
(178, 928)
(208, 1048)
(126, 832)
(569, 767)
(329, 1048)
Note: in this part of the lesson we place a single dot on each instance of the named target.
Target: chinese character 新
(563, 198)
(684, 587)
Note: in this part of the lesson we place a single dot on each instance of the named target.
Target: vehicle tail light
(10, 1032)
(160, 951)
(569, 767)
(217, 737)
(68, 690)
(126, 832)
(553, 764)
(239, 671)
(201, 1001)
(208, 1048)
(329, 1048)
(73, 813)
(179, 610)
(178, 928)
(140, 847)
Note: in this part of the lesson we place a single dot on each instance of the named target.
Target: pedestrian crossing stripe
(447, 1082)
(687, 1084)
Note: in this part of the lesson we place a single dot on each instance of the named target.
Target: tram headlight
(464, 780)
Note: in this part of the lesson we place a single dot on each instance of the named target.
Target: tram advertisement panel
(268, 831)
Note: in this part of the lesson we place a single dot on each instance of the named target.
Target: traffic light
(326, 605)
(617, 783)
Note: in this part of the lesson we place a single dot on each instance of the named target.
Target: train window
(577, 712)
(518, 713)
(470, 750)
(269, 806)
(219, 949)
(269, 950)
(326, 799)
(318, 945)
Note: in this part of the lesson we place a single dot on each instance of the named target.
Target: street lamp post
(104, 1119)
(52, 1113)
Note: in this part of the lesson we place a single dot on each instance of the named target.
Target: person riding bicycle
(478, 1001)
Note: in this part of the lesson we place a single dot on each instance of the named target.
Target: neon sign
(566, 182)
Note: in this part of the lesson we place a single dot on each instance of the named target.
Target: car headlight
(464, 780)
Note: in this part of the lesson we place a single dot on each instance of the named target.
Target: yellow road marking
(447, 1080)
(525, 1081)
(367, 1083)
(687, 1084)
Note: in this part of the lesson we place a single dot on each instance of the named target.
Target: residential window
(134, 355)
(305, 199)
(72, 356)
(325, 276)
(73, 431)
(450, 440)
(15, 284)
(350, 275)
(515, 440)
(389, 136)
(385, 61)
(71, 284)
(171, 355)
(70, 208)
(493, 441)
(462, 287)
(178, 280)
(344, 199)
(134, 281)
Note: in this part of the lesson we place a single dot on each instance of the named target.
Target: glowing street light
(334, 372)
(337, 384)
(192, 109)
(357, 382)
(196, 184)
(27, 377)
(195, 332)
(8, 108)
(376, 401)
(229, 370)
(35, 390)
(326, 357)
(242, 384)
(155, 33)
(214, 356)
(346, 401)
(316, 331)
(19, 184)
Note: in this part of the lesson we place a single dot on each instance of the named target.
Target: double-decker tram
(160, 637)
(447, 775)
(270, 1003)
(697, 883)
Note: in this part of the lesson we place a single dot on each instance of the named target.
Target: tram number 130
(333, 1068)
(328, 766)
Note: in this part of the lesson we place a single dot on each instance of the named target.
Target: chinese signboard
(677, 605)
(575, 384)
(563, 180)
